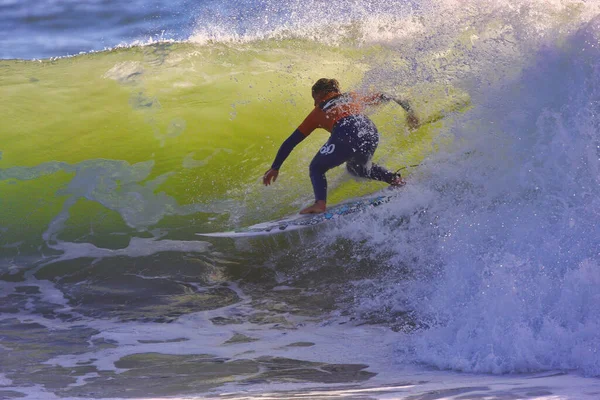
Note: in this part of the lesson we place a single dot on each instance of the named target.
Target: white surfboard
(295, 222)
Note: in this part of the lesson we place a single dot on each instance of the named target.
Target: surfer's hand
(385, 97)
(270, 176)
(412, 121)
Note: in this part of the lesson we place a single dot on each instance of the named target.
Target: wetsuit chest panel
(340, 107)
(330, 111)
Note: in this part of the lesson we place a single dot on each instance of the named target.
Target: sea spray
(495, 259)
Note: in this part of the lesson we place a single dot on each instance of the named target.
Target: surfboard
(295, 222)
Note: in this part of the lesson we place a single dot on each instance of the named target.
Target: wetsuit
(353, 140)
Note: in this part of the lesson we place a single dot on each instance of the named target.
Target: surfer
(353, 139)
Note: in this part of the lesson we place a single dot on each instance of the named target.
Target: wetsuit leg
(333, 153)
(360, 163)
(362, 169)
(354, 141)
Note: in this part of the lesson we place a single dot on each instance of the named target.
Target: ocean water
(128, 127)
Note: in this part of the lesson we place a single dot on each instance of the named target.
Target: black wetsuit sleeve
(286, 148)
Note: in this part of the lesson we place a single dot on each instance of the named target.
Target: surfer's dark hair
(325, 85)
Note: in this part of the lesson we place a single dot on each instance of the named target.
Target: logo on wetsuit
(327, 149)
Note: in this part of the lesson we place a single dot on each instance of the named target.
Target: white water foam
(339, 22)
(332, 344)
(503, 241)
(138, 247)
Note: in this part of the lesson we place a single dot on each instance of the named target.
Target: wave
(489, 260)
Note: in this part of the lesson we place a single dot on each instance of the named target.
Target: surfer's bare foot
(317, 208)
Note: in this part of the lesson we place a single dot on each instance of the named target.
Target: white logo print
(327, 149)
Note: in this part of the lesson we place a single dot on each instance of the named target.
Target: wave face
(488, 262)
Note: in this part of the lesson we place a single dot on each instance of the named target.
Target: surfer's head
(323, 87)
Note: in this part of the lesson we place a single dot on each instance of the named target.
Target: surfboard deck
(297, 221)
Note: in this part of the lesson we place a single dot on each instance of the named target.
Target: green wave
(175, 136)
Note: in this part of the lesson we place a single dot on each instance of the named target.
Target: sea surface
(129, 126)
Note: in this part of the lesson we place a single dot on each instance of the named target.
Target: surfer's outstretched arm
(284, 151)
(411, 118)
(310, 123)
